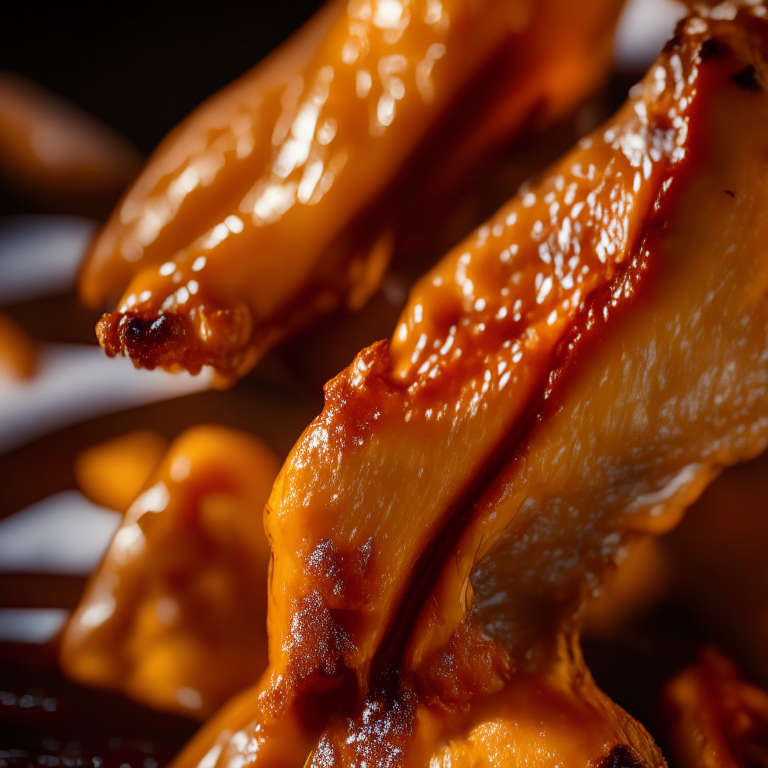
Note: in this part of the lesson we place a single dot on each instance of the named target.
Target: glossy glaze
(175, 615)
(576, 388)
(471, 353)
(714, 718)
(540, 724)
(670, 386)
(275, 201)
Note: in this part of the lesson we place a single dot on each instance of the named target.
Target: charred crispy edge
(325, 291)
(171, 340)
(585, 329)
(151, 340)
(621, 756)
(387, 674)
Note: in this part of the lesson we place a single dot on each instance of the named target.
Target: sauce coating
(281, 197)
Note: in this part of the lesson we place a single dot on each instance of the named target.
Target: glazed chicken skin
(175, 615)
(715, 718)
(565, 381)
(281, 197)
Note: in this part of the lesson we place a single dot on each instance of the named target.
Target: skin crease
(592, 475)
(174, 617)
(401, 622)
(300, 162)
(714, 718)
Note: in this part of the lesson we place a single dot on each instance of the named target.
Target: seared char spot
(620, 756)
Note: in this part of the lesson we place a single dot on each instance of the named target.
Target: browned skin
(286, 194)
(567, 380)
(714, 718)
(175, 615)
(56, 156)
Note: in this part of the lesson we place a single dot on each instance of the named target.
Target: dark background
(141, 67)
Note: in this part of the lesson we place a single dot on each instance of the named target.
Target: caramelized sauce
(431, 617)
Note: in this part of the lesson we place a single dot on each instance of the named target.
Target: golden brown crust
(520, 368)
(577, 370)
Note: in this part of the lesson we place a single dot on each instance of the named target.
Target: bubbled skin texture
(275, 200)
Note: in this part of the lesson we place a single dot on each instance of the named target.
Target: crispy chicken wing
(281, 197)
